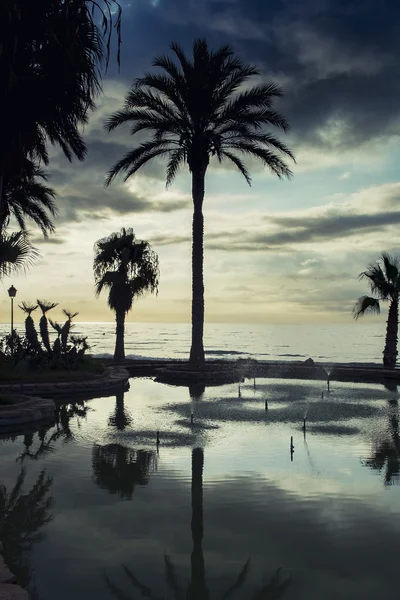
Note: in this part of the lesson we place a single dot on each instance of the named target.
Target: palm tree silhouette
(119, 469)
(26, 196)
(55, 50)
(386, 454)
(128, 268)
(195, 112)
(22, 516)
(383, 277)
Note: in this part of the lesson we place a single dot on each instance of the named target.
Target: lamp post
(12, 292)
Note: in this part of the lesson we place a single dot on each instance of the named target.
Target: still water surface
(222, 510)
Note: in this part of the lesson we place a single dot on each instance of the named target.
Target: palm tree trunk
(390, 351)
(119, 353)
(196, 358)
(197, 589)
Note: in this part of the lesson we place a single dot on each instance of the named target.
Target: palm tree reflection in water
(197, 588)
(386, 453)
(22, 516)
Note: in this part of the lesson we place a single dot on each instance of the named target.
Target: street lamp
(12, 292)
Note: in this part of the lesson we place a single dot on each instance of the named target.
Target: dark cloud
(292, 231)
(52, 240)
(338, 59)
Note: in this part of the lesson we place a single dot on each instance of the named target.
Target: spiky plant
(67, 328)
(57, 343)
(30, 329)
(45, 306)
(80, 344)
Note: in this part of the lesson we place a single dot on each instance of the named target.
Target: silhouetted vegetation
(53, 49)
(195, 113)
(22, 516)
(383, 277)
(27, 352)
(127, 268)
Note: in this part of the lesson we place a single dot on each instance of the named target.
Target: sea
(332, 343)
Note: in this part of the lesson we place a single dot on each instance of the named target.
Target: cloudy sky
(276, 252)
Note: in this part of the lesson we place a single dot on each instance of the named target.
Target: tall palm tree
(128, 268)
(26, 195)
(16, 253)
(50, 74)
(383, 276)
(195, 111)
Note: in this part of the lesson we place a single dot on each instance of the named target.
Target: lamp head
(12, 292)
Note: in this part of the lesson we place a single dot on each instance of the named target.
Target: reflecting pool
(92, 507)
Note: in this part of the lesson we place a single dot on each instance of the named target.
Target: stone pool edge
(115, 378)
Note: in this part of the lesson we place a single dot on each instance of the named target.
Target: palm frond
(27, 308)
(68, 313)
(16, 253)
(239, 164)
(176, 159)
(267, 157)
(45, 305)
(391, 265)
(136, 158)
(143, 589)
(377, 280)
(241, 578)
(366, 304)
(172, 580)
(116, 591)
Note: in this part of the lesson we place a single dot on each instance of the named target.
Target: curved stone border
(29, 409)
(115, 378)
(9, 589)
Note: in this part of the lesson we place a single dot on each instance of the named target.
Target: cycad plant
(66, 328)
(30, 329)
(57, 342)
(45, 306)
(197, 109)
(383, 277)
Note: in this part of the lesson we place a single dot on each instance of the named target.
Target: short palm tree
(195, 111)
(26, 196)
(383, 276)
(128, 268)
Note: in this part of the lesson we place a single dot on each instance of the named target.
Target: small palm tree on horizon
(383, 276)
(127, 268)
(195, 111)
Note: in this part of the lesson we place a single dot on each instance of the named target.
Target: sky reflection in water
(219, 508)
